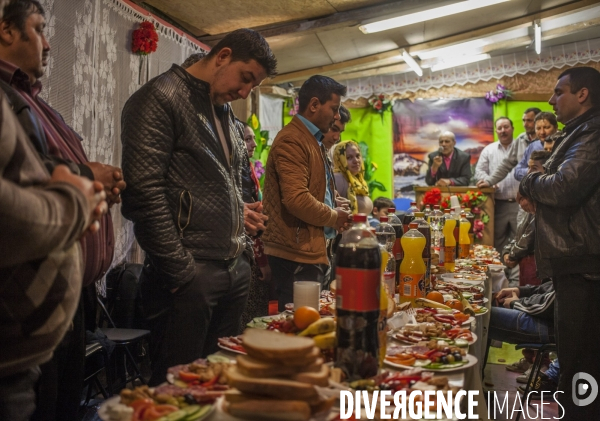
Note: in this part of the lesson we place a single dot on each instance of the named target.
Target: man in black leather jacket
(182, 157)
(566, 202)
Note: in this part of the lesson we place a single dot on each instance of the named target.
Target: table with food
(295, 365)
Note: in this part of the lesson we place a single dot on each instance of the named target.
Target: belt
(505, 200)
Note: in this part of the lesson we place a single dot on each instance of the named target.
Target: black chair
(536, 368)
(93, 369)
(123, 338)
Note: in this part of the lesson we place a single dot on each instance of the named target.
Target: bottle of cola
(358, 289)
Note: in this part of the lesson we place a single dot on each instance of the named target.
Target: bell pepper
(211, 382)
(188, 377)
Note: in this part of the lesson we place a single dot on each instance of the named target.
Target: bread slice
(299, 362)
(273, 409)
(320, 378)
(266, 344)
(233, 395)
(253, 367)
(278, 388)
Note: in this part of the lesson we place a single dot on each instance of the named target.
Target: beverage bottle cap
(392, 210)
(413, 225)
(383, 219)
(359, 217)
(419, 214)
(446, 210)
(436, 206)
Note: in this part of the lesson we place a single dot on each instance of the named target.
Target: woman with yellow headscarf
(349, 174)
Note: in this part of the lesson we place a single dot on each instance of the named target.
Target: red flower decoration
(432, 197)
(144, 40)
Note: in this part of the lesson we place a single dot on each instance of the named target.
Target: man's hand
(527, 204)
(92, 190)
(344, 218)
(111, 179)
(507, 293)
(436, 163)
(342, 202)
(254, 220)
(482, 183)
(443, 182)
(509, 300)
(509, 263)
(265, 274)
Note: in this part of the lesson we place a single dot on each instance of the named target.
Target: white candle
(307, 294)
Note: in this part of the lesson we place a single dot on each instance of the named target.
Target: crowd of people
(217, 246)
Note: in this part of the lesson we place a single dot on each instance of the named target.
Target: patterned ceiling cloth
(495, 68)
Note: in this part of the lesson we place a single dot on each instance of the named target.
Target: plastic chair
(402, 203)
(123, 338)
(536, 368)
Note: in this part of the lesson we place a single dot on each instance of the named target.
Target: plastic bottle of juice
(395, 222)
(449, 241)
(456, 215)
(436, 221)
(386, 236)
(427, 213)
(464, 242)
(471, 219)
(425, 229)
(412, 268)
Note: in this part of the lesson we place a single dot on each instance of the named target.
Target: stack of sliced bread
(276, 380)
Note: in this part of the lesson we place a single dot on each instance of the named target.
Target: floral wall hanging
(144, 40)
(261, 153)
(501, 92)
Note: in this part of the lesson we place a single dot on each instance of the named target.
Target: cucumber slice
(204, 410)
(180, 415)
(461, 343)
(192, 409)
(422, 363)
(214, 358)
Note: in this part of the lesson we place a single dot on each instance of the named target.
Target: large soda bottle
(427, 213)
(456, 215)
(464, 242)
(449, 243)
(436, 221)
(471, 219)
(358, 301)
(412, 268)
(395, 222)
(425, 229)
(409, 216)
(386, 235)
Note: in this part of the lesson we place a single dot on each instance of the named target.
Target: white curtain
(92, 72)
(271, 115)
(494, 68)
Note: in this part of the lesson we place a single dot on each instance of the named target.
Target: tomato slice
(188, 377)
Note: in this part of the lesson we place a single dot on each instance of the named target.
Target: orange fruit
(305, 316)
(455, 304)
(435, 296)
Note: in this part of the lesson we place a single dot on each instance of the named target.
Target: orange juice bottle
(412, 268)
(449, 241)
(464, 242)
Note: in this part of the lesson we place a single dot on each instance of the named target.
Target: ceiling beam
(335, 20)
(374, 60)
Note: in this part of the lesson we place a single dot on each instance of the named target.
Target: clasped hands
(507, 295)
(111, 179)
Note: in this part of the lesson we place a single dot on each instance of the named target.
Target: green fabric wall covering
(514, 110)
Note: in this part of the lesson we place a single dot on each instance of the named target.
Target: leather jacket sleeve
(524, 242)
(148, 136)
(575, 179)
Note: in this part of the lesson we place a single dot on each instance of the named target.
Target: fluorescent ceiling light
(425, 15)
(537, 29)
(468, 48)
(461, 61)
(412, 63)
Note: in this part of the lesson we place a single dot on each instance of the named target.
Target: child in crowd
(380, 208)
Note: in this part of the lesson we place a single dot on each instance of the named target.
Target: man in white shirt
(506, 207)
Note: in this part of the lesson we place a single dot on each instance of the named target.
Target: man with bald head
(448, 166)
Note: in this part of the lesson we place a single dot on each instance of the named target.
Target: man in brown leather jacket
(300, 193)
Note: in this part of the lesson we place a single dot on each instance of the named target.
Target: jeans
(286, 272)
(517, 327)
(17, 395)
(186, 324)
(576, 315)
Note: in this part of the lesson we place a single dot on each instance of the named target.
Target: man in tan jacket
(299, 193)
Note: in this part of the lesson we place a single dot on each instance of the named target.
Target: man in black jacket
(448, 166)
(566, 202)
(182, 158)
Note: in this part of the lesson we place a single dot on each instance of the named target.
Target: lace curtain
(507, 65)
(92, 72)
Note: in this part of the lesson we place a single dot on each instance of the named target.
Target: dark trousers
(185, 325)
(576, 316)
(286, 272)
(59, 389)
(17, 395)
